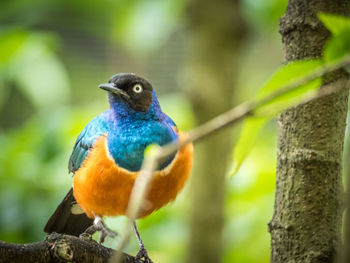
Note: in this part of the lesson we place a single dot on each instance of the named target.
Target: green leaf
(338, 46)
(286, 75)
(335, 23)
(290, 98)
(250, 131)
(289, 74)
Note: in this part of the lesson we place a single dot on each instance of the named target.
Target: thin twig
(230, 117)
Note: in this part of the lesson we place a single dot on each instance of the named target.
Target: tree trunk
(306, 223)
(346, 251)
(216, 30)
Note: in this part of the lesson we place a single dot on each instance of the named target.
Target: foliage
(287, 75)
(252, 187)
(337, 47)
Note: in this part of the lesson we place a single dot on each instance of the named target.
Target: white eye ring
(137, 88)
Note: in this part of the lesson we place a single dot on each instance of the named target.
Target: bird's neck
(121, 111)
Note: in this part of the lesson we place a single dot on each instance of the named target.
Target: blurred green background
(54, 54)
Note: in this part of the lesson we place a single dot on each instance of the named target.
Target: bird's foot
(86, 236)
(100, 226)
(142, 254)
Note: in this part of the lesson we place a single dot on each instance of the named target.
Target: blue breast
(128, 141)
(130, 132)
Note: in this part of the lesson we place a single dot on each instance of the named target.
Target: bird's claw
(142, 254)
(105, 232)
(85, 236)
(100, 226)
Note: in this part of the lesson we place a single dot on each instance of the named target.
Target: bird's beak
(113, 89)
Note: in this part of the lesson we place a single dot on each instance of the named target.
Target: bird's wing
(85, 141)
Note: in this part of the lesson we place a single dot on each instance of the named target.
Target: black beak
(113, 89)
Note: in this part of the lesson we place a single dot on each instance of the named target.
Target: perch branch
(59, 248)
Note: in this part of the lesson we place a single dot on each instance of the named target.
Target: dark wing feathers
(63, 220)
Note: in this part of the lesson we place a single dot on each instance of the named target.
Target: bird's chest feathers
(127, 141)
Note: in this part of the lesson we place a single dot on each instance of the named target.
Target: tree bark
(216, 30)
(59, 248)
(346, 251)
(306, 223)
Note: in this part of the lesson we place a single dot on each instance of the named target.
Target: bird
(107, 158)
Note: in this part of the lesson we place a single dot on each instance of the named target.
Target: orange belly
(102, 188)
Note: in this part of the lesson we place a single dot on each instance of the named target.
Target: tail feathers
(64, 221)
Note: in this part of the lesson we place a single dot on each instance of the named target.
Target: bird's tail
(67, 219)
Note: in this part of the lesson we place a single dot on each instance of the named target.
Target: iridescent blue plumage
(128, 132)
(94, 129)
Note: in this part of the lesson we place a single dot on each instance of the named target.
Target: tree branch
(59, 248)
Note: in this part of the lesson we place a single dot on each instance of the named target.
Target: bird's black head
(136, 91)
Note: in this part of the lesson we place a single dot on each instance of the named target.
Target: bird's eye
(137, 88)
